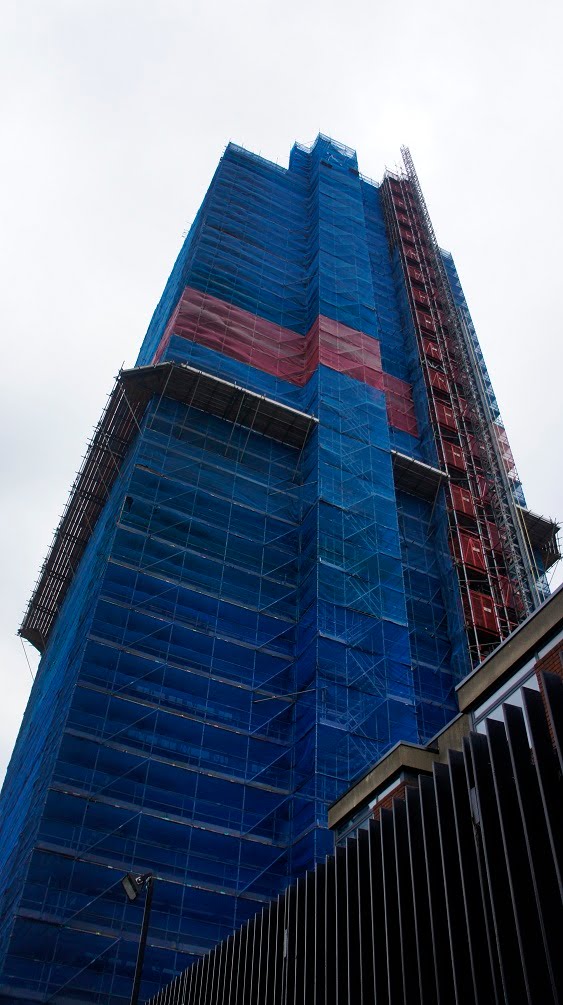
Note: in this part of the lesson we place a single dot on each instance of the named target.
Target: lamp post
(133, 884)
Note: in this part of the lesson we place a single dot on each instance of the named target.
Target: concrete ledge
(542, 534)
(416, 477)
(401, 757)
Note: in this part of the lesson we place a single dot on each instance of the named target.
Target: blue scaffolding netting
(252, 622)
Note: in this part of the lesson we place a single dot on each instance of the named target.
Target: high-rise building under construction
(297, 526)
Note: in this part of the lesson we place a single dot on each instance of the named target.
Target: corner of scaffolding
(543, 535)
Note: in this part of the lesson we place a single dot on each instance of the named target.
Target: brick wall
(397, 793)
(552, 662)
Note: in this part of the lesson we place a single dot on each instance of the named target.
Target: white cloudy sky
(114, 114)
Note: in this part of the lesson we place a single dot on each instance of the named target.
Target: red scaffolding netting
(216, 324)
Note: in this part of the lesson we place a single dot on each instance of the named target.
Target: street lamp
(133, 884)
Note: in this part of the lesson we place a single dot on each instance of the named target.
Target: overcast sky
(114, 115)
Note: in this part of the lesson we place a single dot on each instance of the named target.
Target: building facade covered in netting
(298, 525)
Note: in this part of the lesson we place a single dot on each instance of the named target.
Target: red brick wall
(387, 802)
(552, 662)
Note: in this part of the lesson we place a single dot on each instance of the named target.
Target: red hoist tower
(495, 564)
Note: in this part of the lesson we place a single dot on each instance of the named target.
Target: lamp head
(133, 883)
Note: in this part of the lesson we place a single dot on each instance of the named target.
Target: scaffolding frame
(250, 597)
(445, 346)
(120, 422)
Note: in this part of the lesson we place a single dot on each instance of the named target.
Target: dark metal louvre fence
(452, 896)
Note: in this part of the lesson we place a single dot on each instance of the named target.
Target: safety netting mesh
(252, 624)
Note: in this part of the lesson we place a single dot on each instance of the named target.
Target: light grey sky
(114, 115)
